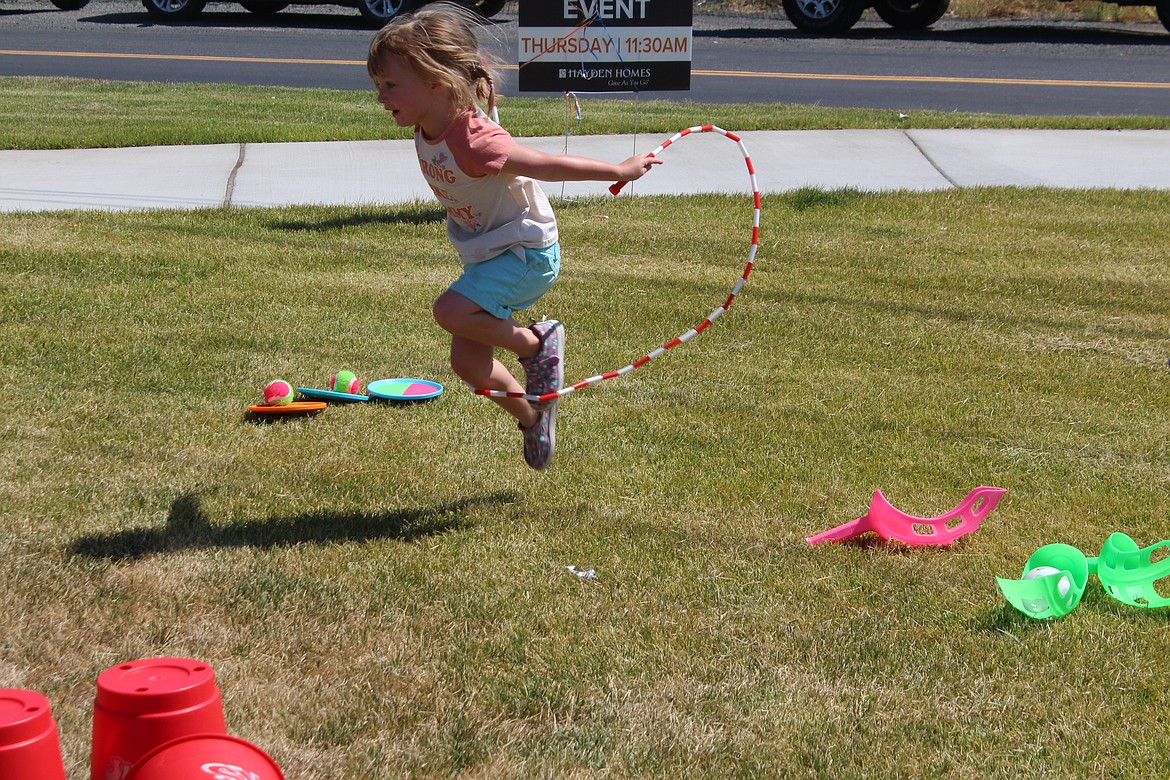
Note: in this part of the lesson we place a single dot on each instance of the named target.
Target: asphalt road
(980, 66)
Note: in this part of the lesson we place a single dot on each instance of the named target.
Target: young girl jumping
(429, 72)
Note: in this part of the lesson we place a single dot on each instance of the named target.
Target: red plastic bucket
(29, 745)
(206, 757)
(143, 704)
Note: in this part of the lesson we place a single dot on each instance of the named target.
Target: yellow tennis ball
(278, 393)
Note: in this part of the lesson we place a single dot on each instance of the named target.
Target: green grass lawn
(62, 113)
(382, 590)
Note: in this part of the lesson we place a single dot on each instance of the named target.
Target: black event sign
(604, 45)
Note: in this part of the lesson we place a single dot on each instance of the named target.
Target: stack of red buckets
(153, 719)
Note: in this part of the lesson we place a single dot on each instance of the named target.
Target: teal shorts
(506, 283)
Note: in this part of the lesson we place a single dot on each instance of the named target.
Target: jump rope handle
(616, 187)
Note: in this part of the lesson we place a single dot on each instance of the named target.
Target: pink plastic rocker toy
(890, 523)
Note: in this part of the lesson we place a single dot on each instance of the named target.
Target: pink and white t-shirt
(488, 213)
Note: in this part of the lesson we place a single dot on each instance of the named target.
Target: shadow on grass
(419, 216)
(188, 528)
(1006, 619)
(872, 541)
(808, 198)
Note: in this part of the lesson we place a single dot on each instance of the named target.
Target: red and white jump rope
(695, 331)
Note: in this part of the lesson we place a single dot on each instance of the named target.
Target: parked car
(836, 16)
(375, 12)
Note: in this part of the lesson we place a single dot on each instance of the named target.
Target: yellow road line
(715, 73)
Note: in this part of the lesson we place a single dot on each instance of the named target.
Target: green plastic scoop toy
(1128, 573)
(1052, 584)
(1054, 577)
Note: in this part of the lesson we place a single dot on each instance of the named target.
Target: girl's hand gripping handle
(634, 168)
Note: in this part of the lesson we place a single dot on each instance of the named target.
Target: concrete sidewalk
(386, 172)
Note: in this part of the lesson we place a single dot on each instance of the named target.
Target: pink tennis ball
(278, 393)
(344, 382)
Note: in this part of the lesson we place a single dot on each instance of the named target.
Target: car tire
(70, 5)
(1163, 8)
(824, 17)
(264, 7)
(911, 14)
(174, 10)
(378, 12)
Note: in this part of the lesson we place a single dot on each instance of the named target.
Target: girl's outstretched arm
(543, 166)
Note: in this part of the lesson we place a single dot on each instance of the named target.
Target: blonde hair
(439, 44)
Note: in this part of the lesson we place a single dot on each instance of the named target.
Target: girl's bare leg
(461, 316)
(475, 363)
(474, 336)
